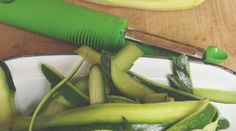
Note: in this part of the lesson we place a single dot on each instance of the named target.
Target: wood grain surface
(213, 23)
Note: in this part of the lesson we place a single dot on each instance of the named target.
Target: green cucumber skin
(139, 88)
(182, 96)
(159, 113)
(97, 93)
(198, 93)
(54, 77)
(176, 94)
(106, 69)
(197, 120)
(9, 79)
(222, 124)
(140, 92)
(7, 96)
(61, 102)
(181, 73)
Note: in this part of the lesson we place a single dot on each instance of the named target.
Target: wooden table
(213, 23)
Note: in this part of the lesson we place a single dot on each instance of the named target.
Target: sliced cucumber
(136, 88)
(162, 113)
(92, 56)
(120, 65)
(199, 93)
(75, 97)
(59, 88)
(97, 93)
(215, 95)
(165, 114)
(62, 101)
(82, 84)
(7, 96)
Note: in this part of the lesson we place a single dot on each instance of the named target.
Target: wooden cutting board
(213, 23)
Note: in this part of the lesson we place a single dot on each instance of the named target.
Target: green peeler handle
(70, 23)
(66, 22)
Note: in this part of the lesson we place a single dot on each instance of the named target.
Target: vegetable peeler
(79, 26)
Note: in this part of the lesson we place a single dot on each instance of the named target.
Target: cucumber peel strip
(176, 94)
(48, 96)
(106, 69)
(76, 97)
(92, 56)
(120, 65)
(7, 97)
(197, 120)
(54, 77)
(227, 97)
(166, 114)
(97, 93)
(214, 123)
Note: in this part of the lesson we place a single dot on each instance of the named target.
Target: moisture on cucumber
(181, 78)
